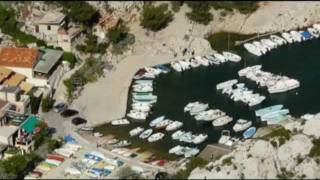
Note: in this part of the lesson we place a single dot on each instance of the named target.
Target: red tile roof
(18, 57)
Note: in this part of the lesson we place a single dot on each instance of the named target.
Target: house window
(49, 28)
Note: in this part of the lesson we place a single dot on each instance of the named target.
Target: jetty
(237, 43)
(214, 151)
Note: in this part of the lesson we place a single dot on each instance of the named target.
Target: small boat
(225, 137)
(86, 128)
(113, 141)
(163, 124)
(191, 152)
(120, 122)
(198, 108)
(175, 149)
(123, 143)
(220, 57)
(274, 114)
(156, 121)
(187, 137)
(231, 57)
(189, 106)
(249, 132)
(221, 121)
(145, 82)
(174, 125)
(163, 68)
(146, 134)
(252, 49)
(155, 137)
(200, 138)
(137, 115)
(144, 97)
(136, 131)
(242, 125)
(269, 109)
(176, 135)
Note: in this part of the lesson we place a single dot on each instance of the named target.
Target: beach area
(106, 99)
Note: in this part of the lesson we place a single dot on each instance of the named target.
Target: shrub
(227, 161)
(47, 103)
(175, 5)
(155, 18)
(200, 12)
(53, 144)
(315, 150)
(118, 33)
(70, 57)
(91, 45)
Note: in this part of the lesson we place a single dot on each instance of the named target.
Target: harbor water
(174, 90)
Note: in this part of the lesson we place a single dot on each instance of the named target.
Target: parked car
(68, 113)
(78, 120)
(59, 107)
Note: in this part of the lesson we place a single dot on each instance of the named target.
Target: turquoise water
(174, 90)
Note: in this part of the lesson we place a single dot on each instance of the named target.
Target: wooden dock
(214, 151)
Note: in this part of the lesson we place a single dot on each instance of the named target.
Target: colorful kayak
(249, 132)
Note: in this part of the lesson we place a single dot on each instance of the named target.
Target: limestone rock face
(311, 127)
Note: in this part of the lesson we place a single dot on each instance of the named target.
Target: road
(63, 126)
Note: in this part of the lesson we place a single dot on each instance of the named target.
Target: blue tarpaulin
(306, 35)
(69, 139)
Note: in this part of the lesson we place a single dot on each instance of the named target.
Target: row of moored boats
(274, 83)
(207, 60)
(239, 92)
(265, 45)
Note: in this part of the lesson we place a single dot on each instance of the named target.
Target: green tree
(80, 11)
(200, 12)
(175, 5)
(91, 45)
(47, 103)
(118, 32)
(155, 18)
(70, 57)
(127, 173)
(54, 144)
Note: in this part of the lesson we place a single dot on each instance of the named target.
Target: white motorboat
(220, 57)
(191, 152)
(252, 49)
(284, 85)
(176, 135)
(264, 49)
(221, 121)
(242, 125)
(209, 115)
(175, 149)
(136, 131)
(189, 106)
(145, 134)
(200, 138)
(143, 82)
(120, 122)
(269, 43)
(202, 61)
(296, 36)
(156, 121)
(156, 137)
(137, 115)
(187, 137)
(287, 37)
(198, 108)
(278, 40)
(231, 56)
(174, 126)
(194, 63)
(225, 137)
(225, 84)
(142, 108)
(176, 66)
(314, 32)
(142, 88)
(163, 124)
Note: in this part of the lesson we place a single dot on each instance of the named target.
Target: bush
(53, 144)
(227, 161)
(175, 5)
(81, 12)
(315, 150)
(244, 7)
(200, 12)
(118, 33)
(127, 173)
(92, 46)
(47, 104)
(155, 18)
(70, 57)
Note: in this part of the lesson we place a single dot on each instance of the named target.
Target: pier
(237, 43)
(214, 151)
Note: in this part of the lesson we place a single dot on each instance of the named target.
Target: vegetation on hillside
(10, 26)
(175, 5)
(70, 57)
(155, 18)
(80, 12)
(118, 33)
(47, 104)
(200, 12)
(244, 7)
(315, 150)
(89, 72)
(91, 45)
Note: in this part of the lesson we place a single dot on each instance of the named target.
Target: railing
(237, 43)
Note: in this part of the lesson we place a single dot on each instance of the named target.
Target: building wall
(43, 28)
(37, 82)
(25, 71)
(64, 41)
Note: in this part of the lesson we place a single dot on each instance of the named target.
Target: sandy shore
(106, 99)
